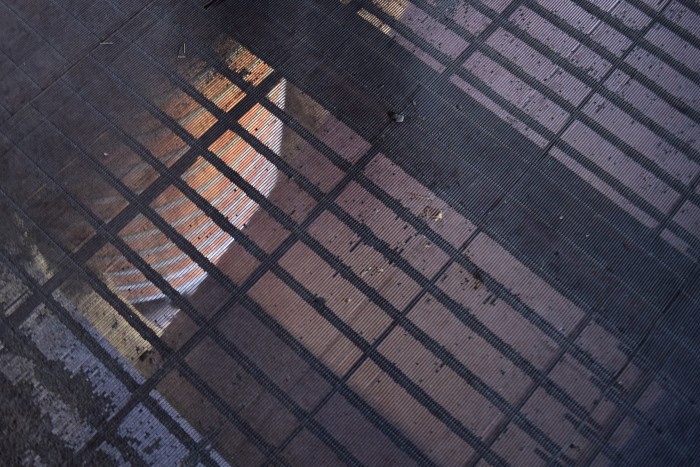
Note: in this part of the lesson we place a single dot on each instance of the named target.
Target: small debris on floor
(181, 51)
(372, 271)
(432, 213)
(397, 117)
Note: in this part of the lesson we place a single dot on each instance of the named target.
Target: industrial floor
(363, 232)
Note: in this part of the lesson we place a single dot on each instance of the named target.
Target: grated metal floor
(220, 248)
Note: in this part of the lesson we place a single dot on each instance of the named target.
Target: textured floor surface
(379, 232)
